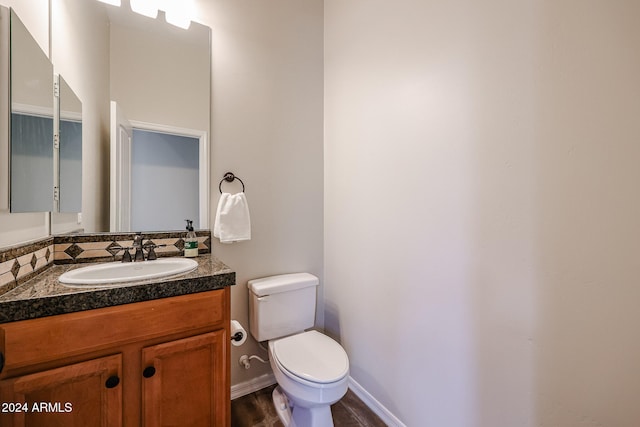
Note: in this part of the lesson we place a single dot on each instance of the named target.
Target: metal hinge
(56, 89)
(56, 194)
(56, 141)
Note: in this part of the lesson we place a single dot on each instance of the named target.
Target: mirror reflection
(31, 134)
(158, 74)
(160, 82)
(70, 151)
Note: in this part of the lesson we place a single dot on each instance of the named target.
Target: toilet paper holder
(238, 333)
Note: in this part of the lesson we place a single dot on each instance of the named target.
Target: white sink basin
(121, 272)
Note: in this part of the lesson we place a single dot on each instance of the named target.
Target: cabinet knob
(112, 381)
(148, 372)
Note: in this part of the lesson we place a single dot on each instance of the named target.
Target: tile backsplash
(78, 248)
(20, 263)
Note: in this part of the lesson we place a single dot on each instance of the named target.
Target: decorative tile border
(82, 248)
(20, 263)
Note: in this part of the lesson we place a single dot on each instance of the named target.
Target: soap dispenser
(190, 241)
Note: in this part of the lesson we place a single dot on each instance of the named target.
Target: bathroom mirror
(31, 123)
(70, 149)
(159, 74)
(160, 78)
(160, 82)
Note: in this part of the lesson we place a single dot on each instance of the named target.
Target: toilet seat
(311, 356)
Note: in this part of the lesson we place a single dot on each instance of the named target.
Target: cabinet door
(84, 394)
(185, 382)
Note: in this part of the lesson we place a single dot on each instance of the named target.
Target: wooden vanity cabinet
(155, 363)
(50, 398)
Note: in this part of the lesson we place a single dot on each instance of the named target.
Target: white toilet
(311, 369)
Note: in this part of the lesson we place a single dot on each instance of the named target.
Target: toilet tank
(281, 305)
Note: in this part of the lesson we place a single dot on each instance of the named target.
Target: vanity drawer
(30, 342)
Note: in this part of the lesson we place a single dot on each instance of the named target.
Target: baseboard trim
(385, 415)
(253, 385)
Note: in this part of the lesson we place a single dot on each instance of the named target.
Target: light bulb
(178, 13)
(145, 7)
(111, 2)
(178, 20)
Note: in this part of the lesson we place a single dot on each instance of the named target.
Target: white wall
(481, 208)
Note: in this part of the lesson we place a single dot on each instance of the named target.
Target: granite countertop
(43, 295)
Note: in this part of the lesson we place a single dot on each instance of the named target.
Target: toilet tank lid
(282, 283)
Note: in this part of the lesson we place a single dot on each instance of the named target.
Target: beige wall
(160, 76)
(35, 16)
(480, 204)
(481, 208)
(267, 129)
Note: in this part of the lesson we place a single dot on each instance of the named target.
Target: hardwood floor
(256, 410)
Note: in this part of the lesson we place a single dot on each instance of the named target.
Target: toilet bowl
(311, 369)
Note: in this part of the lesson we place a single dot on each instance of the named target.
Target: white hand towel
(216, 224)
(232, 223)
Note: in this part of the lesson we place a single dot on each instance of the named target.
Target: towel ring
(229, 177)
